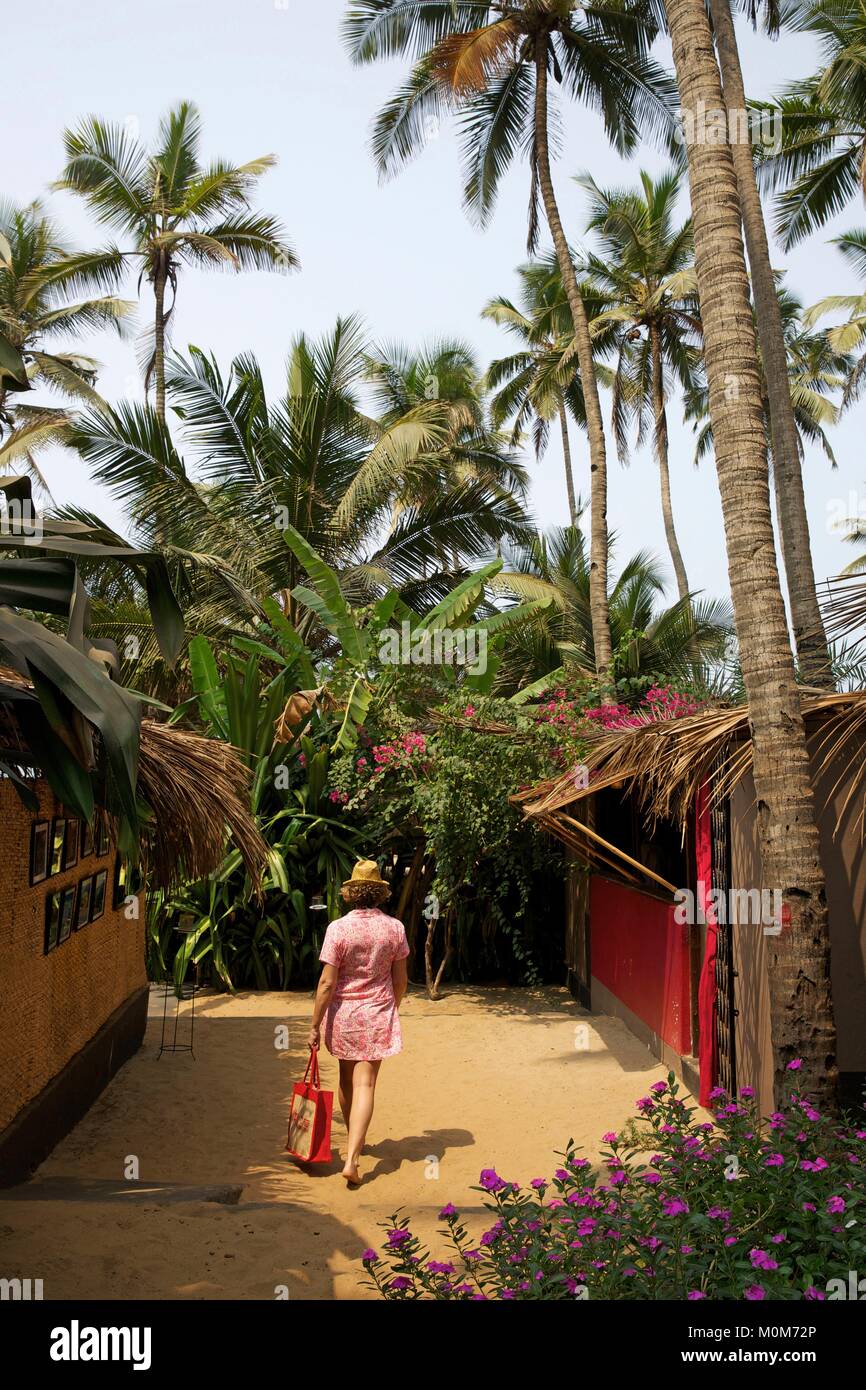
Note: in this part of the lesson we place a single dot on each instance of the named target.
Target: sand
(488, 1077)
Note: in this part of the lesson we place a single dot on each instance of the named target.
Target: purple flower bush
(738, 1209)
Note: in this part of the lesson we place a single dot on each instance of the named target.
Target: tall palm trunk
(160, 280)
(810, 638)
(566, 454)
(801, 1006)
(598, 538)
(661, 438)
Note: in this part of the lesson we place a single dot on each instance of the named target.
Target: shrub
(738, 1209)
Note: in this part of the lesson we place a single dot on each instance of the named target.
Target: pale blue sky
(274, 78)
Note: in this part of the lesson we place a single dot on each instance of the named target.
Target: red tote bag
(310, 1117)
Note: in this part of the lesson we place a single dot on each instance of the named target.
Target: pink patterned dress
(362, 1023)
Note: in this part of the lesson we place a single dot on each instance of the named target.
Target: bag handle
(313, 1068)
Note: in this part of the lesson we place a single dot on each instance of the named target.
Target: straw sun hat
(366, 883)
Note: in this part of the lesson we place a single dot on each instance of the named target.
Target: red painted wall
(641, 955)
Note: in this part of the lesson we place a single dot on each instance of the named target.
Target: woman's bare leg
(363, 1096)
(345, 1090)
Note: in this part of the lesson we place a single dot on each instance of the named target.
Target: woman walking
(359, 994)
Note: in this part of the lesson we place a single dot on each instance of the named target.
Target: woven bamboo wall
(50, 1005)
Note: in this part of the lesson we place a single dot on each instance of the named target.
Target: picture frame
(58, 842)
(52, 920)
(88, 840)
(71, 846)
(97, 903)
(83, 904)
(67, 911)
(40, 851)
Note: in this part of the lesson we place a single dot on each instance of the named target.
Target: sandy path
(489, 1077)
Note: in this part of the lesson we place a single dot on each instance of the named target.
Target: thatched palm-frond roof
(198, 791)
(664, 763)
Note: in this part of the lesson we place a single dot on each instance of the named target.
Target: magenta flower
(817, 1165)
(747, 1091)
(538, 1183)
(400, 1283)
(774, 1161)
(814, 1295)
(398, 1238)
(761, 1260)
(754, 1293)
(796, 1064)
(609, 1138)
(369, 1257)
(675, 1206)
(439, 1267)
(448, 1210)
(659, 1087)
(694, 1294)
(491, 1181)
(835, 1205)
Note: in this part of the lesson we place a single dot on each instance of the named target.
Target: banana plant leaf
(327, 600)
(79, 681)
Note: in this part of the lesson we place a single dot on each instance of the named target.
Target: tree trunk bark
(159, 283)
(661, 439)
(594, 424)
(810, 638)
(566, 454)
(801, 1006)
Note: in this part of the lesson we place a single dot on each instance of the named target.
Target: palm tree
(252, 467)
(490, 64)
(816, 372)
(176, 211)
(846, 338)
(820, 161)
(684, 644)
(810, 639)
(538, 384)
(801, 1003)
(40, 281)
(645, 271)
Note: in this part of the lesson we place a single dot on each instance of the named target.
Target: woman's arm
(324, 995)
(399, 979)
